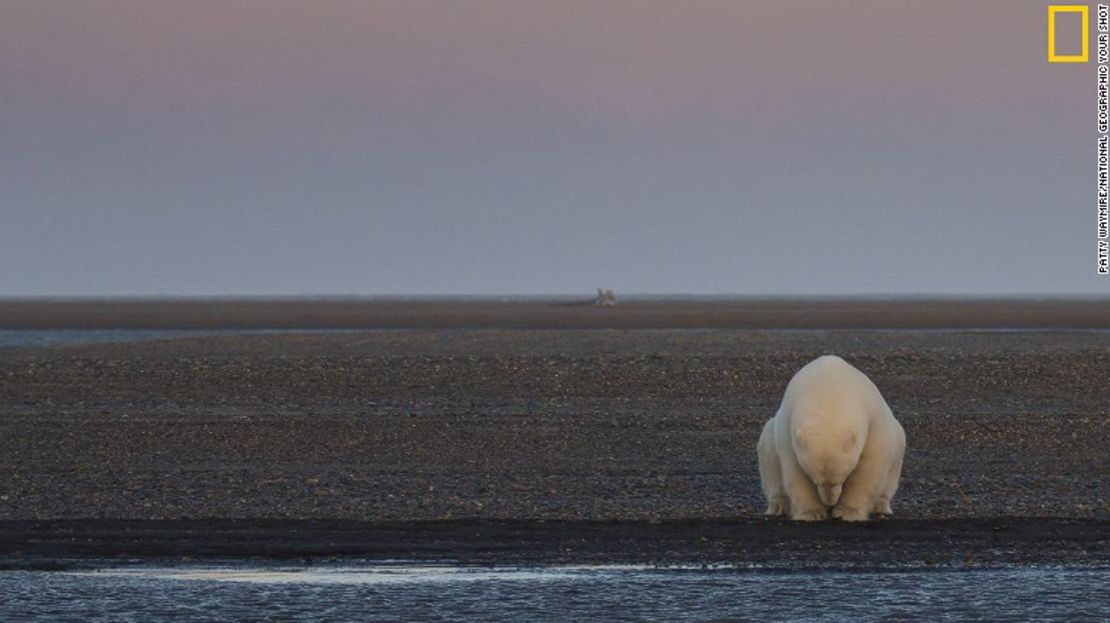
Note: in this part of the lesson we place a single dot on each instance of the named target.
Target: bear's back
(829, 387)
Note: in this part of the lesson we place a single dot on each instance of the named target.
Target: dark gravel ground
(650, 427)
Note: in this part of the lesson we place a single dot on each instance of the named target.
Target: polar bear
(832, 447)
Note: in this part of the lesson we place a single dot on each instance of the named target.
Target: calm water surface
(45, 338)
(427, 593)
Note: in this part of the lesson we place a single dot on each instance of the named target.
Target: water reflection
(439, 593)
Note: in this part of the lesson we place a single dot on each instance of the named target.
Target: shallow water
(430, 593)
(45, 338)
(19, 338)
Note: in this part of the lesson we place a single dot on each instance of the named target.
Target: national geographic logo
(1053, 51)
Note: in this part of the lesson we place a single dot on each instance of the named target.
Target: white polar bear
(833, 444)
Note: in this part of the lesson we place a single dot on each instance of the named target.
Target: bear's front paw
(813, 514)
(778, 507)
(849, 514)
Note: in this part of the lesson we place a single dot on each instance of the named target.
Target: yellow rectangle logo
(1053, 57)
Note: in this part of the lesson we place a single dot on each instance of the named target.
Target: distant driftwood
(605, 298)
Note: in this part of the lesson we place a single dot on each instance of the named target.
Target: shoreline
(534, 314)
(756, 543)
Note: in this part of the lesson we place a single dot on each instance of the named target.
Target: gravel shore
(652, 426)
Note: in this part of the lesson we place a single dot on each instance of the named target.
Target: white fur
(832, 447)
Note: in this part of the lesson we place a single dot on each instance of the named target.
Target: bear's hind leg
(890, 487)
(770, 473)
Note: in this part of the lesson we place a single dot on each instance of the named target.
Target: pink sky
(698, 90)
(653, 61)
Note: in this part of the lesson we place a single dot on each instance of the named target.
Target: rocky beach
(599, 437)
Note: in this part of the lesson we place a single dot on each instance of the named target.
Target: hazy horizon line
(640, 296)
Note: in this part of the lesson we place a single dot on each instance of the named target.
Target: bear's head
(828, 457)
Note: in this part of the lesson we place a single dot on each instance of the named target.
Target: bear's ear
(850, 441)
(798, 438)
